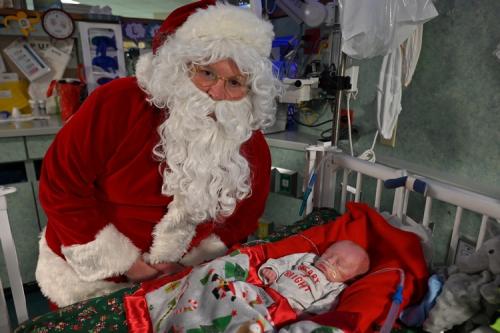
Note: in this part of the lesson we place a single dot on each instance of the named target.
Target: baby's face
(340, 263)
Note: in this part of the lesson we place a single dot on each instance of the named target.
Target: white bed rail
(487, 207)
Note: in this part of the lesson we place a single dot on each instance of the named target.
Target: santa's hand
(269, 274)
(140, 271)
(168, 268)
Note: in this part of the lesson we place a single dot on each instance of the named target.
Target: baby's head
(342, 261)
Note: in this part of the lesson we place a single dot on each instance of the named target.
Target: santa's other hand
(168, 268)
(140, 271)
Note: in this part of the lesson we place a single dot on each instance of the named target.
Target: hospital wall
(449, 127)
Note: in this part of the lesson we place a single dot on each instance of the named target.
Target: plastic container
(70, 96)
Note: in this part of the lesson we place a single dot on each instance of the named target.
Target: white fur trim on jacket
(172, 235)
(228, 22)
(110, 254)
(60, 283)
(144, 69)
(209, 248)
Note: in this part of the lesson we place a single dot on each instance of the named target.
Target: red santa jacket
(100, 187)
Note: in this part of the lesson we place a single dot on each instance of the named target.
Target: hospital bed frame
(325, 190)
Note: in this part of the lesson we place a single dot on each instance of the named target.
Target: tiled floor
(36, 302)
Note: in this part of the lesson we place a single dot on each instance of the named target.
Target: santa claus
(164, 169)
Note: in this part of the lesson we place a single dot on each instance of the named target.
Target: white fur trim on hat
(60, 283)
(209, 248)
(229, 22)
(110, 254)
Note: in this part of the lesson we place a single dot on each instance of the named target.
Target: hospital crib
(333, 170)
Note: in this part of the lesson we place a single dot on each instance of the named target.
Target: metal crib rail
(486, 206)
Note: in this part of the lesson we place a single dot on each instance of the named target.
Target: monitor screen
(240, 3)
(253, 5)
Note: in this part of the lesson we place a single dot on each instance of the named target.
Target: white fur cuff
(209, 248)
(110, 254)
(170, 244)
(172, 235)
(60, 283)
(144, 69)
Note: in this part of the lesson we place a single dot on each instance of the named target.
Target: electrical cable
(397, 299)
(369, 154)
(348, 96)
(312, 243)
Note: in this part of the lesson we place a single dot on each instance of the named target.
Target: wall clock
(58, 24)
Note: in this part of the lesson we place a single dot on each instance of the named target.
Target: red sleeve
(73, 163)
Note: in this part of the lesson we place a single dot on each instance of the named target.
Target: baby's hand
(269, 274)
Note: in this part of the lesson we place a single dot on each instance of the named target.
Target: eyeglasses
(236, 87)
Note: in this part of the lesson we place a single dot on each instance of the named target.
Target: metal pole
(338, 103)
(337, 58)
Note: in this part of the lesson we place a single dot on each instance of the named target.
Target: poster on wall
(138, 31)
(137, 38)
(102, 49)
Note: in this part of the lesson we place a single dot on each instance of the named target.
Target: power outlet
(464, 249)
(353, 73)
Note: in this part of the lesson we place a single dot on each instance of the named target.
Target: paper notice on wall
(26, 60)
(41, 43)
(57, 59)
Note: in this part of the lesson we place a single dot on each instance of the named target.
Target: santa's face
(221, 80)
(342, 261)
(332, 266)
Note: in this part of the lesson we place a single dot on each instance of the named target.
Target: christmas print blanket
(217, 297)
(226, 295)
(213, 297)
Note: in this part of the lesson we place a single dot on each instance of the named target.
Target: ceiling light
(73, 2)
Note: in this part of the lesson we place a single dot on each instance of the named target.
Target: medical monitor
(254, 5)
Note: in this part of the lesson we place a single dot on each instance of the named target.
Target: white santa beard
(206, 173)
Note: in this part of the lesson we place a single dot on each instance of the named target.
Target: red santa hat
(176, 19)
(206, 20)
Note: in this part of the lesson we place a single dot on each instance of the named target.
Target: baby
(311, 283)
